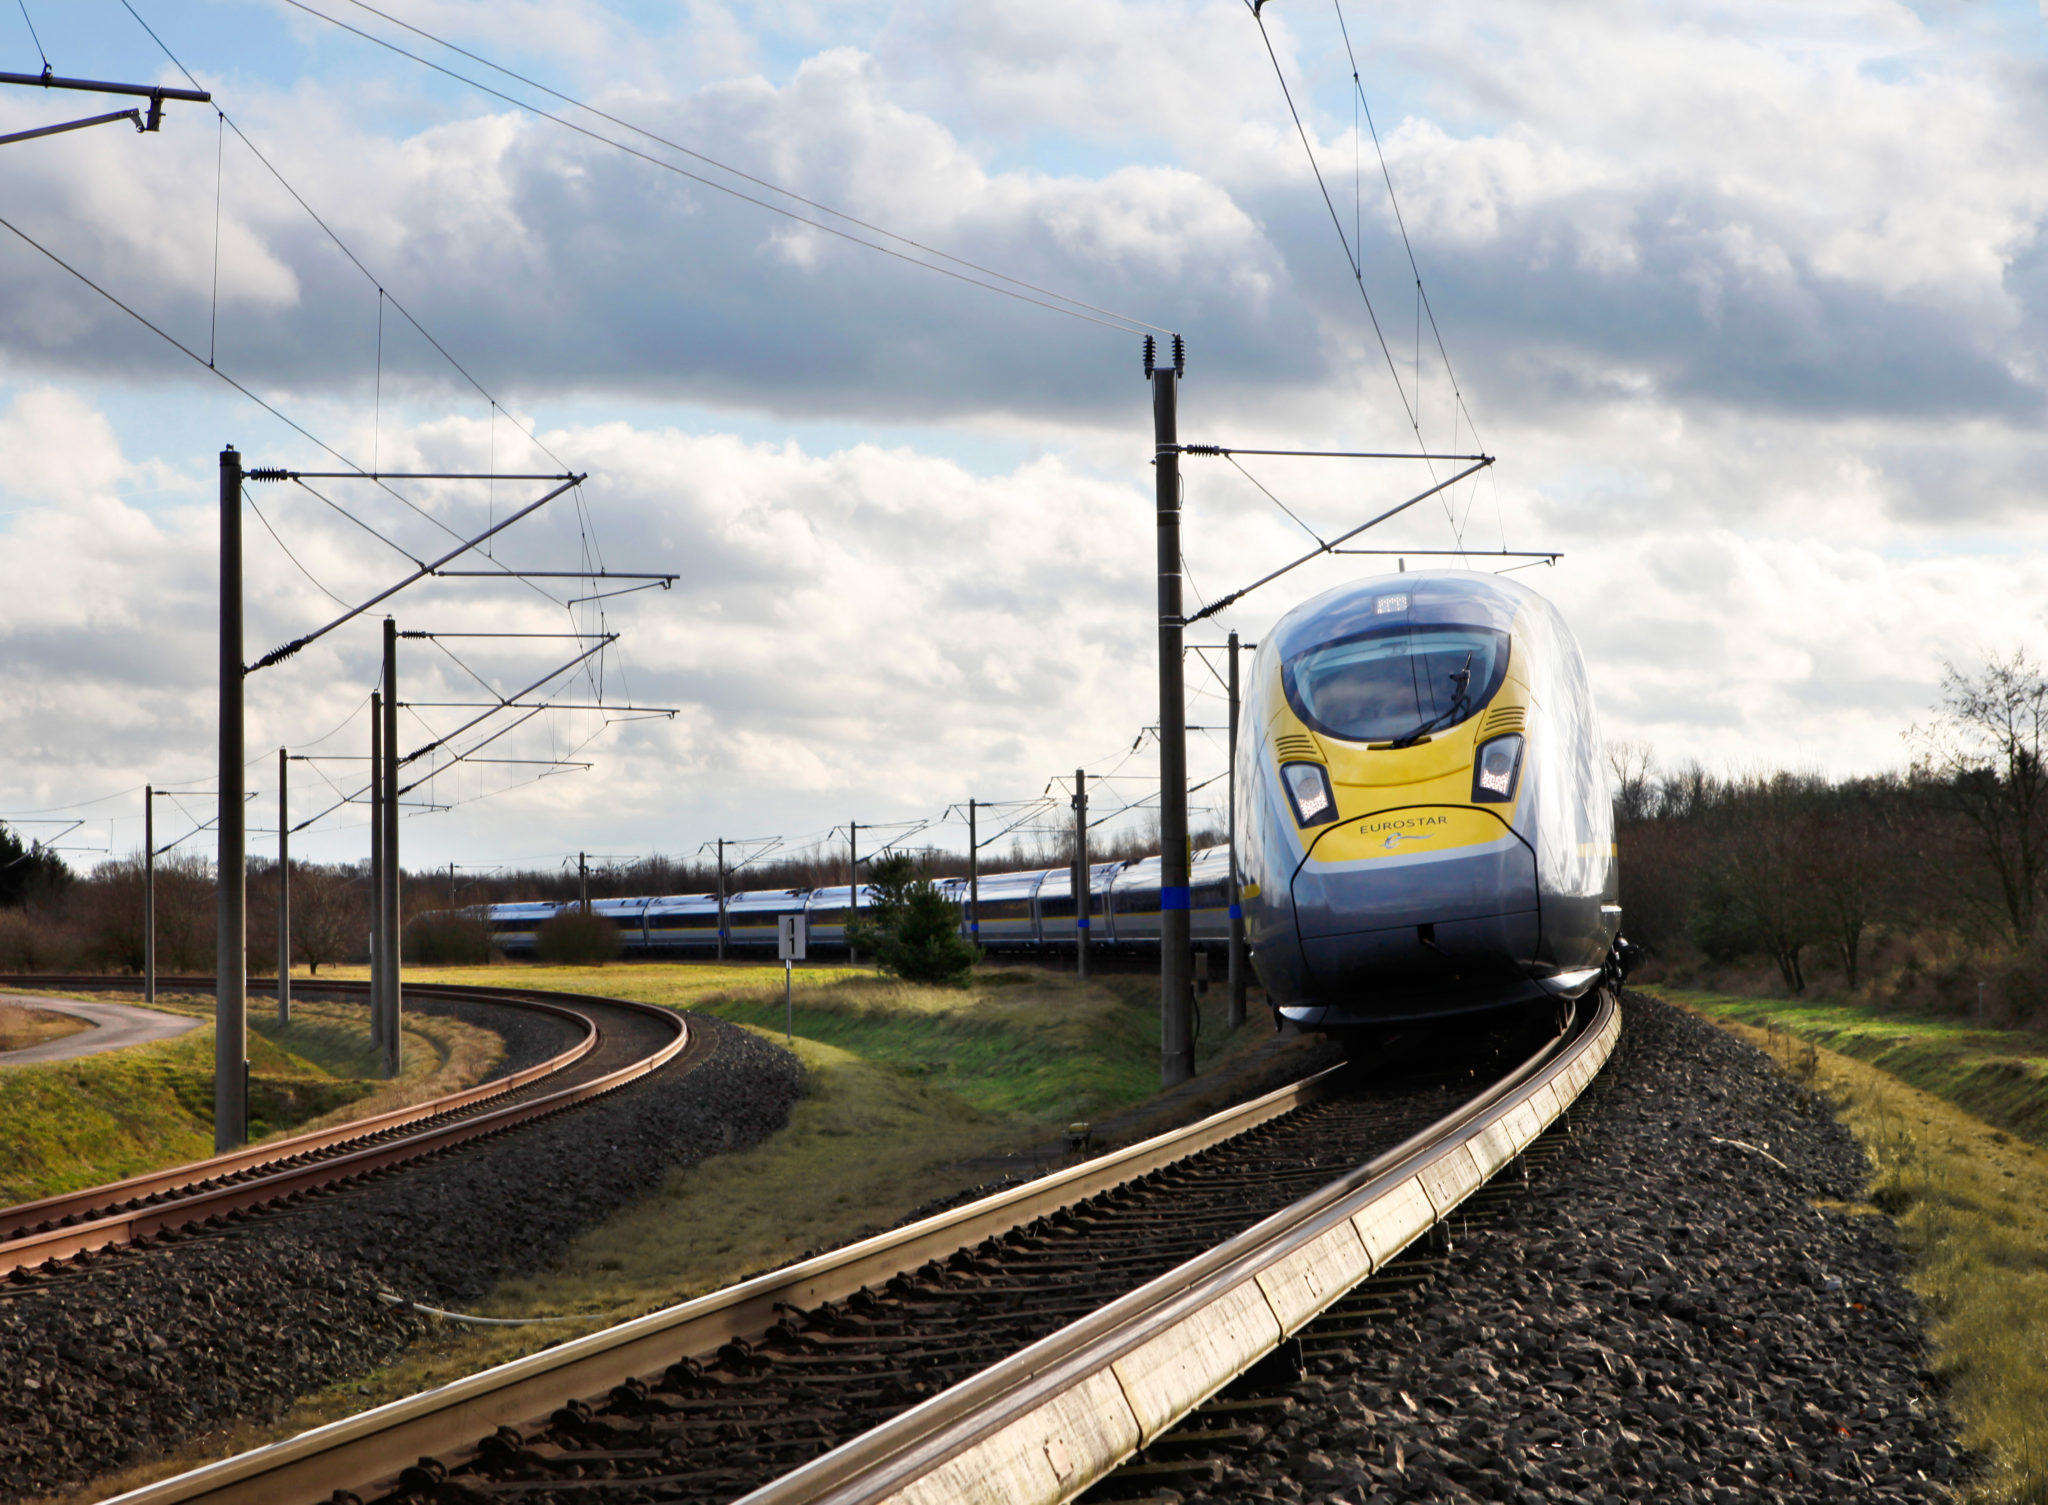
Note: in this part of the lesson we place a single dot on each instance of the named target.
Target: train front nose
(1417, 932)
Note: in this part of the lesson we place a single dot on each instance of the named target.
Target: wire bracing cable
(34, 37)
(301, 568)
(748, 177)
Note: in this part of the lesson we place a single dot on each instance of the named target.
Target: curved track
(1016, 1348)
(615, 1042)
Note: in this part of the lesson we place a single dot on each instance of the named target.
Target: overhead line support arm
(1331, 547)
(276, 655)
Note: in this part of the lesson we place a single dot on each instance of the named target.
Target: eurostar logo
(1395, 838)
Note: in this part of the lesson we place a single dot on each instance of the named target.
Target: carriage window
(1383, 685)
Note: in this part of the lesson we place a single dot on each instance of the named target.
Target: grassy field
(1021, 1042)
(22, 1025)
(1970, 1203)
(67, 1124)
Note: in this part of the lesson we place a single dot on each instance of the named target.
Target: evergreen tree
(28, 872)
(913, 929)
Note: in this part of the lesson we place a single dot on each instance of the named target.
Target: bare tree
(1984, 761)
(1846, 846)
(330, 915)
(1759, 895)
(1635, 792)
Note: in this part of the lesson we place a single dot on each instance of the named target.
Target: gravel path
(114, 1025)
(1664, 1315)
(122, 1359)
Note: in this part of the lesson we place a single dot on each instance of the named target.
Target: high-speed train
(1016, 912)
(1423, 813)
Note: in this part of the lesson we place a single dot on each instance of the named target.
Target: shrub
(450, 938)
(575, 939)
(915, 929)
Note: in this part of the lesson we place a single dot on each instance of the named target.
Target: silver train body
(1016, 913)
(1423, 811)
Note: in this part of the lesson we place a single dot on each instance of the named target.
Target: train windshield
(1382, 686)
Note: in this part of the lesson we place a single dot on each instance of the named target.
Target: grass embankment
(1969, 1200)
(1999, 1075)
(67, 1124)
(22, 1026)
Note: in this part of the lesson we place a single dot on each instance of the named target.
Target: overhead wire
(383, 295)
(747, 176)
(1423, 305)
(1122, 323)
(1352, 253)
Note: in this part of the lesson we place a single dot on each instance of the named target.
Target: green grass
(1998, 1075)
(1030, 1045)
(104, 1117)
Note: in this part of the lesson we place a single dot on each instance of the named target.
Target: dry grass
(441, 1055)
(1970, 1202)
(22, 1025)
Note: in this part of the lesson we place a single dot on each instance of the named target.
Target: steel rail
(363, 1453)
(357, 1452)
(126, 1224)
(157, 1183)
(1054, 1419)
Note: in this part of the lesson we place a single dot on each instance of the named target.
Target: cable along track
(1016, 1348)
(616, 1042)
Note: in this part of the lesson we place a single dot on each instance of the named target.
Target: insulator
(1180, 356)
(1151, 349)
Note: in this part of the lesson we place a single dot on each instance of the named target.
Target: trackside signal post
(792, 940)
(1176, 1031)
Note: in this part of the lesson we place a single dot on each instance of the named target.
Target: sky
(1746, 301)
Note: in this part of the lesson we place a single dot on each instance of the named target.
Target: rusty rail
(117, 1214)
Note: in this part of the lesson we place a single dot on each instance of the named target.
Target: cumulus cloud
(1747, 300)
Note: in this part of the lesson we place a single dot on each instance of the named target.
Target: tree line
(55, 920)
(1921, 882)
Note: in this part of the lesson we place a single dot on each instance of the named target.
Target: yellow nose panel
(1406, 831)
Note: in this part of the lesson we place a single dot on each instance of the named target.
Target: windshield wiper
(1462, 681)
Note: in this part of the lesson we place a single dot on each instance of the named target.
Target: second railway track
(615, 1042)
(1016, 1348)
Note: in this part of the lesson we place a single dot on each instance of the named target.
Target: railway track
(615, 1042)
(1016, 1349)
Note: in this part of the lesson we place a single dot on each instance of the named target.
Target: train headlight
(1308, 785)
(1497, 770)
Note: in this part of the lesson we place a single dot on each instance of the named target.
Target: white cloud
(1747, 300)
